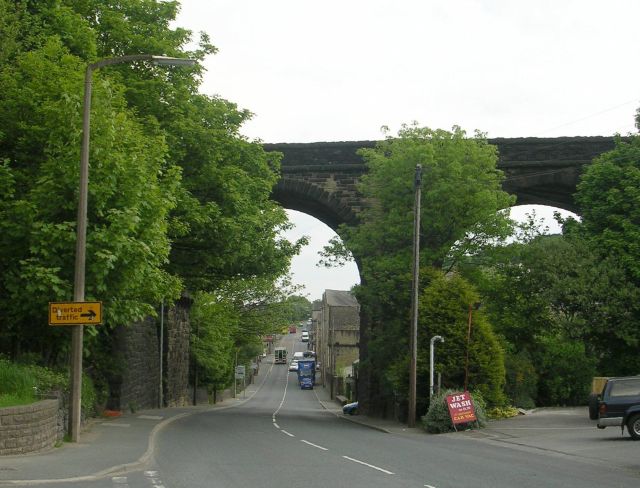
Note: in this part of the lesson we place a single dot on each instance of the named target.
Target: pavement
(109, 447)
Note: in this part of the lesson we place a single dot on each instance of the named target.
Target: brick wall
(30, 428)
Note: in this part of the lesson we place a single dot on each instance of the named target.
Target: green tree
(177, 197)
(461, 203)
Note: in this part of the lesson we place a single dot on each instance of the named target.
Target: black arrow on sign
(91, 314)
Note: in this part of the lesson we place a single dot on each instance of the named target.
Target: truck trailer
(307, 373)
(280, 354)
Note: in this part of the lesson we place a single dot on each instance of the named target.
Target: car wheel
(633, 426)
(593, 406)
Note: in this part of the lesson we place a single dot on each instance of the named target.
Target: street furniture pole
(413, 338)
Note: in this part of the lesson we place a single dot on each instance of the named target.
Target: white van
(305, 336)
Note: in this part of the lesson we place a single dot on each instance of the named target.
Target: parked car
(618, 405)
(293, 366)
(350, 408)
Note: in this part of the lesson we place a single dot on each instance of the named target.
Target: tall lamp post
(81, 225)
(413, 338)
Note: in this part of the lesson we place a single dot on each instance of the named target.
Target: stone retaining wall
(30, 428)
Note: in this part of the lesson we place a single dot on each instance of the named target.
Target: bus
(280, 354)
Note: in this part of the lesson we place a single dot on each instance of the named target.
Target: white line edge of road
(314, 445)
(368, 465)
(142, 460)
(288, 433)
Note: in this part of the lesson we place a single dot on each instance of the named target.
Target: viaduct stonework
(320, 178)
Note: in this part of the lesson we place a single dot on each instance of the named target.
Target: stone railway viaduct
(320, 178)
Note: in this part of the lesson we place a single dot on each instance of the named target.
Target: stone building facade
(338, 338)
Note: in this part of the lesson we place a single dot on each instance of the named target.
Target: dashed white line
(314, 445)
(367, 464)
(288, 433)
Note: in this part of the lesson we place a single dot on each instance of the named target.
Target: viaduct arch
(320, 178)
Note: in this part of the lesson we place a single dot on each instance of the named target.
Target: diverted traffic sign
(75, 313)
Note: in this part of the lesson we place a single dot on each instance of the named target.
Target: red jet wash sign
(461, 408)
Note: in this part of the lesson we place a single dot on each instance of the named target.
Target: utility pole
(475, 306)
(413, 338)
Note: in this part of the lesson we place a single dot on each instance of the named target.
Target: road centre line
(276, 425)
(314, 445)
(429, 486)
(288, 433)
(367, 464)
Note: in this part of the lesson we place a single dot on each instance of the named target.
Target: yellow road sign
(75, 313)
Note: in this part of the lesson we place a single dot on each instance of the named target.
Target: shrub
(438, 421)
(522, 380)
(22, 384)
(565, 371)
(16, 384)
(496, 413)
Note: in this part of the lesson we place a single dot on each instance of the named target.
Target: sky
(339, 70)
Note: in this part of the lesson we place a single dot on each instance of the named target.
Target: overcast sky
(339, 70)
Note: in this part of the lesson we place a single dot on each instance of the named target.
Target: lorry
(307, 373)
(280, 354)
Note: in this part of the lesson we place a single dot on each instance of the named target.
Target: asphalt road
(283, 437)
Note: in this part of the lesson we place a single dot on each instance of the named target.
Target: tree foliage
(177, 197)
(461, 203)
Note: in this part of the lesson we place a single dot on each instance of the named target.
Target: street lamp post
(434, 339)
(413, 337)
(81, 224)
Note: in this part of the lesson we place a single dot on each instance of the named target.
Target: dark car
(618, 405)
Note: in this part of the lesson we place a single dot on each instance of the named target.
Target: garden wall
(31, 428)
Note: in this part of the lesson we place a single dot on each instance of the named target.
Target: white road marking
(288, 433)
(109, 424)
(150, 417)
(429, 486)
(276, 425)
(155, 480)
(315, 445)
(368, 465)
(119, 480)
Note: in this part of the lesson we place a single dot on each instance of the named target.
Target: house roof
(340, 298)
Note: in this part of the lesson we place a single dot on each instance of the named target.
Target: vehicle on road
(307, 373)
(305, 336)
(292, 329)
(350, 409)
(618, 405)
(293, 365)
(280, 354)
